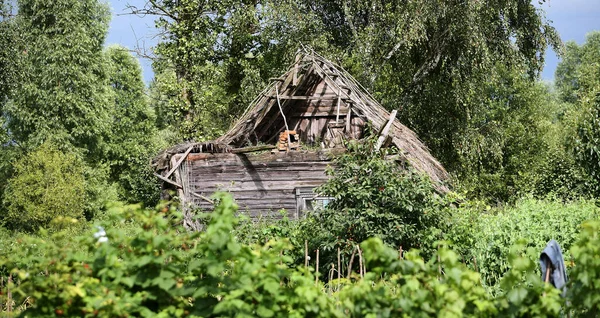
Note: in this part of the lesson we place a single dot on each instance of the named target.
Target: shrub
(159, 269)
(47, 185)
(484, 235)
(373, 197)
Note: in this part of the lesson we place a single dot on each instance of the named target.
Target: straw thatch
(313, 79)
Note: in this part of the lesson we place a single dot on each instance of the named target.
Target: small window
(308, 200)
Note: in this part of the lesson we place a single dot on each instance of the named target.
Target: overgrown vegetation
(78, 128)
(159, 268)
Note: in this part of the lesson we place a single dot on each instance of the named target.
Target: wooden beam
(385, 131)
(348, 121)
(169, 181)
(203, 198)
(252, 149)
(303, 97)
(178, 163)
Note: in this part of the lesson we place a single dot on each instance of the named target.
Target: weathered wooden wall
(262, 184)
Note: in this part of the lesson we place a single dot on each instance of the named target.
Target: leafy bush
(159, 269)
(47, 184)
(373, 197)
(585, 291)
(484, 235)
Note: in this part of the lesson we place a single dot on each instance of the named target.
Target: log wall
(262, 184)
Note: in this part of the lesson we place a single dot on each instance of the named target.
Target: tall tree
(64, 93)
(431, 59)
(578, 80)
(130, 142)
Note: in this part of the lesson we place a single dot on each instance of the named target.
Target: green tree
(431, 59)
(578, 80)
(502, 148)
(587, 142)
(130, 144)
(566, 75)
(47, 184)
(63, 96)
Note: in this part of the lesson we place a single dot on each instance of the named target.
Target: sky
(572, 18)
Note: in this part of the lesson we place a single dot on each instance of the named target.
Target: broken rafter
(385, 130)
(169, 181)
(203, 197)
(187, 152)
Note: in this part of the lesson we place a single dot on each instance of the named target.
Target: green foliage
(503, 146)
(63, 97)
(161, 269)
(484, 235)
(48, 186)
(8, 52)
(146, 264)
(374, 197)
(585, 293)
(587, 143)
(130, 144)
(566, 75)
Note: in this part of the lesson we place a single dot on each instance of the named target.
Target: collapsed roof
(317, 98)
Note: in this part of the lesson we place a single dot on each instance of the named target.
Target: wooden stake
(360, 262)
(339, 265)
(317, 268)
(339, 101)
(331, 276)
(306, 253)
(350, 264)
(9, 296)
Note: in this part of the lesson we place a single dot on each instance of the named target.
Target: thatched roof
(263, 116)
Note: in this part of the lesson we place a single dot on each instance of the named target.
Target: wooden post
(360, 262)
(9, 296)
(339, 101)
(306, 253)
(339, 265)
(350, 264)
(349, 120)
(385, 130)
(331, 276)
(317, 268)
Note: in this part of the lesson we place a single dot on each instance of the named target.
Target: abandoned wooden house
(302, 118)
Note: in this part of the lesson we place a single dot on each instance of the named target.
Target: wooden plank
(252, 149)
(314, 97)
(308, 108)
(169, 181)
(197, 195)
(179, 162)
(331, 114)
(292, 156)
(385, 131)
(261, 186)
(271, 168)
